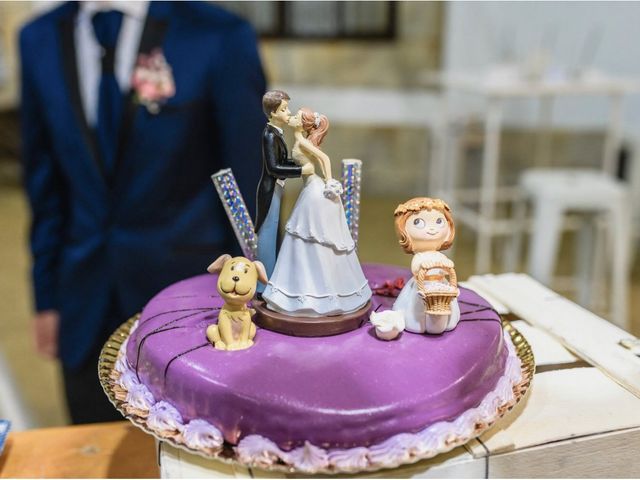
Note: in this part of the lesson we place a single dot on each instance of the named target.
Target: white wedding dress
(317, 272)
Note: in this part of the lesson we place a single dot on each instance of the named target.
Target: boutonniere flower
(152, 80)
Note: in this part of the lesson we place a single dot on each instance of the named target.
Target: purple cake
(336, 401)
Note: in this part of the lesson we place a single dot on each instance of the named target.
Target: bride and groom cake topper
(315, 272)
(315, 285)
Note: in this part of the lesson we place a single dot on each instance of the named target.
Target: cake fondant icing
(335, 393)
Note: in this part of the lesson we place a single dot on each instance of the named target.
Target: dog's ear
(262, 272)
(218, 263)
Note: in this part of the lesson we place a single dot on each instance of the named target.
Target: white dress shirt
(89, 51)
(277, 128)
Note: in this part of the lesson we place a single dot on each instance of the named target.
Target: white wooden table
(497, 90)
(581, 417)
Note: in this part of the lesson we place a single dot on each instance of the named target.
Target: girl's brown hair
(315, 134)
(415, 205)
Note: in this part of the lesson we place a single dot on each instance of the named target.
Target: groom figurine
(276, 166)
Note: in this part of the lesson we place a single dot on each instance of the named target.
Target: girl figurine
(429, 299)
(317, 272)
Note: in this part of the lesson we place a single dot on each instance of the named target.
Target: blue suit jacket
(103, 246)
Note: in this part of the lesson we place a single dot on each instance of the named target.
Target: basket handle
(422, 274)
(453, 277)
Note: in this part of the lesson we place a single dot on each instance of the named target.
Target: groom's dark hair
(272, 100)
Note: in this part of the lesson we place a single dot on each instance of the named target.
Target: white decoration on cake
(127, 380)
(354, 459)
(463, 426)
(200, 434)
(164, 417)
(388, 324)
(395, 450)
(140, 397)
(259, 451)
(431, 440)
(309, 458)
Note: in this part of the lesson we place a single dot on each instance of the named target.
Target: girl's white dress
(410, 303)
(317, 272)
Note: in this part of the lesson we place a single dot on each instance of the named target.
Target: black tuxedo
(276, 165)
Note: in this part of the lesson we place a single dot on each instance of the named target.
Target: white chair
(556, 192)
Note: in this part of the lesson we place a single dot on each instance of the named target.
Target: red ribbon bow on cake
(390, 288)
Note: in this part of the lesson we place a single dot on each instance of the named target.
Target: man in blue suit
(119, 179)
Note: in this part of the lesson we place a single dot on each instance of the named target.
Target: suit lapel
(70, 68)
(280, 136)
(153, 34)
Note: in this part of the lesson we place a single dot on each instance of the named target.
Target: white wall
(478, 34)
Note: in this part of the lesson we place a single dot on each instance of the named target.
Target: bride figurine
(317, 272)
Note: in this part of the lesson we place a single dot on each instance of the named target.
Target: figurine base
(309, 326)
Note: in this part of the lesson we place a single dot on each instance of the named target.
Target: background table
(497, 88)
(103, 450)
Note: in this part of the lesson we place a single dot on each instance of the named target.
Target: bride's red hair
(315, 134)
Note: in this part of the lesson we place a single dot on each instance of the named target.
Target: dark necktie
(106, 26)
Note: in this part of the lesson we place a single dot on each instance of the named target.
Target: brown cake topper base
(309, 326)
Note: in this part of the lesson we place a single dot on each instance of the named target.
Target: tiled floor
(39, 381)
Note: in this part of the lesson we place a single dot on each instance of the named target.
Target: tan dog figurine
(236, 285)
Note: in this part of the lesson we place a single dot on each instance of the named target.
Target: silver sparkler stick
(237, 212)
(351, 182)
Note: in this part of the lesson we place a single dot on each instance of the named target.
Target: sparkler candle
(237, 212)
(351, 181)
